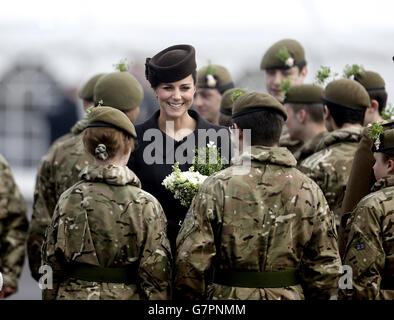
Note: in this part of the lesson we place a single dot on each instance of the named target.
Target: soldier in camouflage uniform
(370, 228)
(212, 81)
(284, 61)
(86, 95)
(305, 121)
(330, 165)
(263, 227)
(107, 238)
(61, 167)
(13, 229)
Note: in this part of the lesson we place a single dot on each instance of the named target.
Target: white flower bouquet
(185, 184)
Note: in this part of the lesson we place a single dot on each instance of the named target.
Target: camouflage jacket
(13, 227)
(75, 130)
(58, 171)
(107, 220)
(309, 147)
(271, 218)
(370, 247)
(331, 163)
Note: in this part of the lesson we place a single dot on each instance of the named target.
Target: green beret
(305, 94)
(370, 80)
(172, 64)
(119, 90)
(110, 117)
(226, 105)
(283, 54)
(87, 91)
(257, 101)
(346, 93)
(214, 77)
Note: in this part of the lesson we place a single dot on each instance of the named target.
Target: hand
(7, 291)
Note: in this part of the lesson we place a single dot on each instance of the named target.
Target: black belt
(253, 279)
(88, 272)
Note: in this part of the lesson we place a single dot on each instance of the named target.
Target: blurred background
(48, 49)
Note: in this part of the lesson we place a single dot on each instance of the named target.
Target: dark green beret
(87, 91)
(172, 64)
(226, 105)
(119, 90)
(305, 94)
(346, 93)
(370, 80)
(214, 77)
(257, 101)
(275, 56)
(110, 117)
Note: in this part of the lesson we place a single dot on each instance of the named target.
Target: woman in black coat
(174, 131)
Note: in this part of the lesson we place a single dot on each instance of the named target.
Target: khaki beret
(346, 93)
(370, 80)
(214, 77)
(110, 117)
(171, 64)
(305, 94)
(386, 142)
(257, 101)
(119, 90)
(87, 91)
(283, 54)
(226, 105)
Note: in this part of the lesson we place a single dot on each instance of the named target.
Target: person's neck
(311, 130)
(347, 125)
(177, 128)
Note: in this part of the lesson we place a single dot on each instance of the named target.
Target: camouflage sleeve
(364, 254)
(49, 256)
(195, 248)
(13, 227)
(155, 270)
(320, 265)
(41, 217)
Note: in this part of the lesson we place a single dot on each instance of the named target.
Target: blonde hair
(104, 143)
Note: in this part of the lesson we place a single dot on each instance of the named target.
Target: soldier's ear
(326, 113)
(301, 115)
(374, 105)
(390, 166)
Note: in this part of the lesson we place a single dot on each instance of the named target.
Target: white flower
(289, 62)
(211, 81)
(211, 144)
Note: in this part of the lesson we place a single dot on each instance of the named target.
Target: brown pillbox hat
(255, 102)
(110, 117)
(172, 64)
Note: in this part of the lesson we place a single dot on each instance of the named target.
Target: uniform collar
(383, 183)
(349, 134)
(274, 155)
(79, 126)
(110, 174)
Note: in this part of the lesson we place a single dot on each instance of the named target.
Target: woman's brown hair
(115, 141)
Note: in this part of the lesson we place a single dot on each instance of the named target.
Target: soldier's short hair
(266, 126)
(380, 96)
(315, 110)
(342, 115)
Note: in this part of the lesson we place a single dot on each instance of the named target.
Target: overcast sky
(84, 37)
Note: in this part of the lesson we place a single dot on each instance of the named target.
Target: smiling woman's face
(176, 98)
